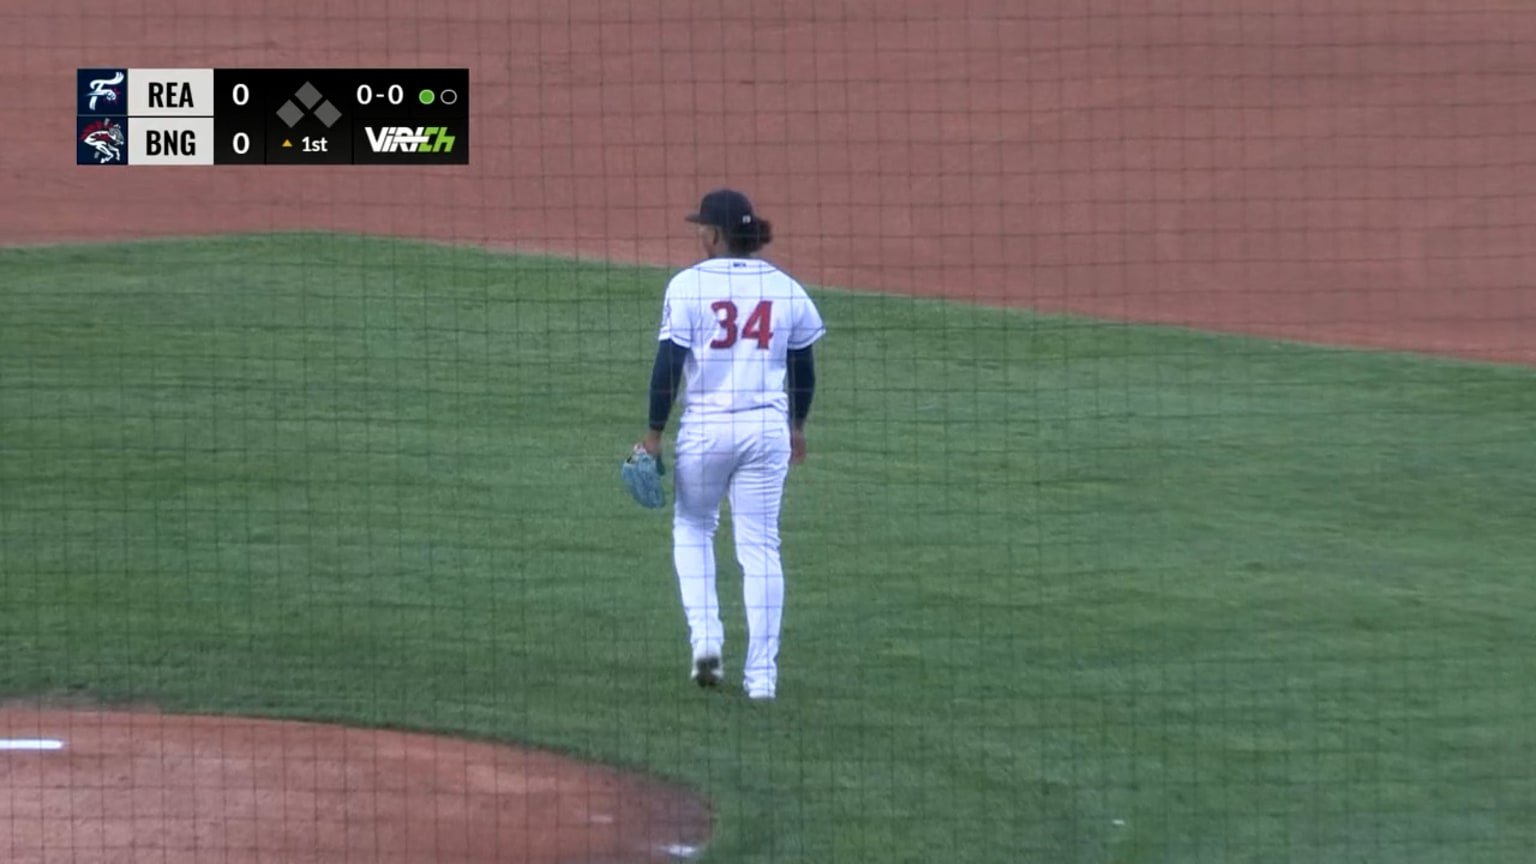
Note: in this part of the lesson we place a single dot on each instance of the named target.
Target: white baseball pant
(744, 455)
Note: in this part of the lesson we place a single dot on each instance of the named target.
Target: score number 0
(395, 94)
(242, 142)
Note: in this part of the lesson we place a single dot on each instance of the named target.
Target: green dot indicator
(426, 97)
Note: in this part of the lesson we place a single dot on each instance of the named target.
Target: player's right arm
(802, 389)
(806, 327)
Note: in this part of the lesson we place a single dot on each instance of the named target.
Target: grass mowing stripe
(1099, 592)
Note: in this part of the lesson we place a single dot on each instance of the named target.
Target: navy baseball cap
(724, 208)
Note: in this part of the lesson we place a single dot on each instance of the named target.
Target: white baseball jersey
(739, 317)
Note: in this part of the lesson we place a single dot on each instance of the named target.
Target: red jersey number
(758, 326)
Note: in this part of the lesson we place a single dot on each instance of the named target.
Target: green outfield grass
(1059, 590)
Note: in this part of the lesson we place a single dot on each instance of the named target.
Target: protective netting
(1060, 586)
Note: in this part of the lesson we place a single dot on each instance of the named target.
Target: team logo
(409, 139)
(103, 141)
(107, 89)
(103, 91)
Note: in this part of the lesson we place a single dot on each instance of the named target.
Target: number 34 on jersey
(739, 318)
(723, 304)
(758, 326)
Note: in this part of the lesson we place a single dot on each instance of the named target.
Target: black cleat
(706, 671)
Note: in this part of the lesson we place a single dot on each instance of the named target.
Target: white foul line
(30, 744)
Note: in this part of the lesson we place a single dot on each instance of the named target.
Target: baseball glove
(642, 473)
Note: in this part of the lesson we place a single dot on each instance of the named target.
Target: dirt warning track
(1358, 175)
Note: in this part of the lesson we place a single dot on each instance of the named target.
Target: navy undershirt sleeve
(802, 383)
(666, 373)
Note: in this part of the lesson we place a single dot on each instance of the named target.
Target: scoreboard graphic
(271, 116)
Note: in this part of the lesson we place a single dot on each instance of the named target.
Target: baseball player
(739, 331)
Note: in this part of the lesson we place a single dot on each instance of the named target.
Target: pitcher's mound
(90, 787)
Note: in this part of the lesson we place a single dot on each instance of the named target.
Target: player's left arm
(674, 339)
(666, 374)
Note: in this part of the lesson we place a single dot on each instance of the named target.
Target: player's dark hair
(751, 238)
